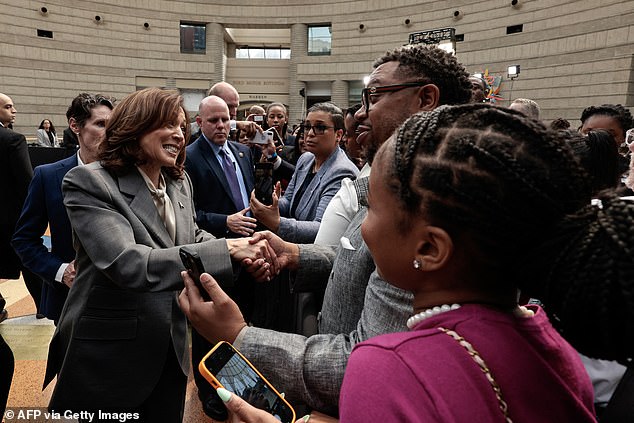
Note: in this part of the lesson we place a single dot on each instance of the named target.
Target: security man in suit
(222, 177)
(44, 206)
(16, 173)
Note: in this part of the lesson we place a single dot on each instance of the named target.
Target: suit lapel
(142, 205)
(315, 183)
(63, 168)
(210, 157)
(180, 202)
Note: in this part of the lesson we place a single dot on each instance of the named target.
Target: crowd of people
(425, 256)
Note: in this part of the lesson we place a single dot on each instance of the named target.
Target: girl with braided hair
(470, 194)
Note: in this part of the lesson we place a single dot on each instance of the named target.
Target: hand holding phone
(262, 138)
(194, 265)
(225, 367)
(264, 182)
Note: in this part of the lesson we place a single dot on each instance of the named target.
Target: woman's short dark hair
(81, 107)
(334, 111)
(136, 115)
(51, 128)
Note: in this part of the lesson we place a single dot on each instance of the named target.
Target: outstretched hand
(287, 255)
(269, 216)
(217, 320)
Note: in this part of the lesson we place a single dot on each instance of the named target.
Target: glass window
(272, 53)
(246, 52)
(193, 38)
(242, 53)
(319, 40)
(256, 53)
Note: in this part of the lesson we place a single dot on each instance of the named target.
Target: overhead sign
(435, 36)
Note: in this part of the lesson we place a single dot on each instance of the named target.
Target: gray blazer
(358, 305)
(44, 141)
(122, 315)
(304, 225)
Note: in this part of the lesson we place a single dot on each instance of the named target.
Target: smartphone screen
(194, 265)
(264, 182)
(262, 138)
(233, 372)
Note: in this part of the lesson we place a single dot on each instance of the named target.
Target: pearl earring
(417, 264)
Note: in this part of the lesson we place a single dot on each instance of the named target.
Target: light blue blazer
(303, 226)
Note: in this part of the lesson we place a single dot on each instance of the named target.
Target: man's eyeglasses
(368, 92)
(317, 129)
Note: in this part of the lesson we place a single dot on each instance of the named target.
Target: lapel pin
(181, 205)
(241, 154)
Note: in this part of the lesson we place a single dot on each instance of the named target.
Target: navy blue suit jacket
(44, 206)
(212, 195)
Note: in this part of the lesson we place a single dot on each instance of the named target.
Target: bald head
(7, 110)
(213, 119)
(527, 106)
(228, 93)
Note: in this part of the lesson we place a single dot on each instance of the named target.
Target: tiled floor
(29, 338)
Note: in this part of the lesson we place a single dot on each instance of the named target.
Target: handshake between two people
(264, 255)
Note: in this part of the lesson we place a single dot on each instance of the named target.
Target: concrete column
(299, 48)
(216, 52)
(339, 96)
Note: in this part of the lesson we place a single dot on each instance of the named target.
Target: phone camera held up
(224, 366)
(194, 265)
(264, 182)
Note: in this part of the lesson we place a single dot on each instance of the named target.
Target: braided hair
(435, 64)
(590, 292)
(491, 176)
(514, 194)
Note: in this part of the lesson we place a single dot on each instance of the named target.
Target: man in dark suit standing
(221, 172)
(15, 175)
(44, 206)
(220, 208)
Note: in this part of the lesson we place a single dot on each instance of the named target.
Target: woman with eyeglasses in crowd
(296, 216)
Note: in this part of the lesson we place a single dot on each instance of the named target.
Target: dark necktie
(232, 178)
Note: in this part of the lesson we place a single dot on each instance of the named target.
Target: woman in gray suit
(121, 343)
(46, 135)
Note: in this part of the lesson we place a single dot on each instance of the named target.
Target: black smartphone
(225, 367)
(264, 182)
(194, 265)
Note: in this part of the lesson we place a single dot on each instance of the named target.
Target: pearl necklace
(419, 317)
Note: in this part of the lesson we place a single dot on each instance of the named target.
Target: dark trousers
(7, 365)
(34, 285)
(166, 403)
